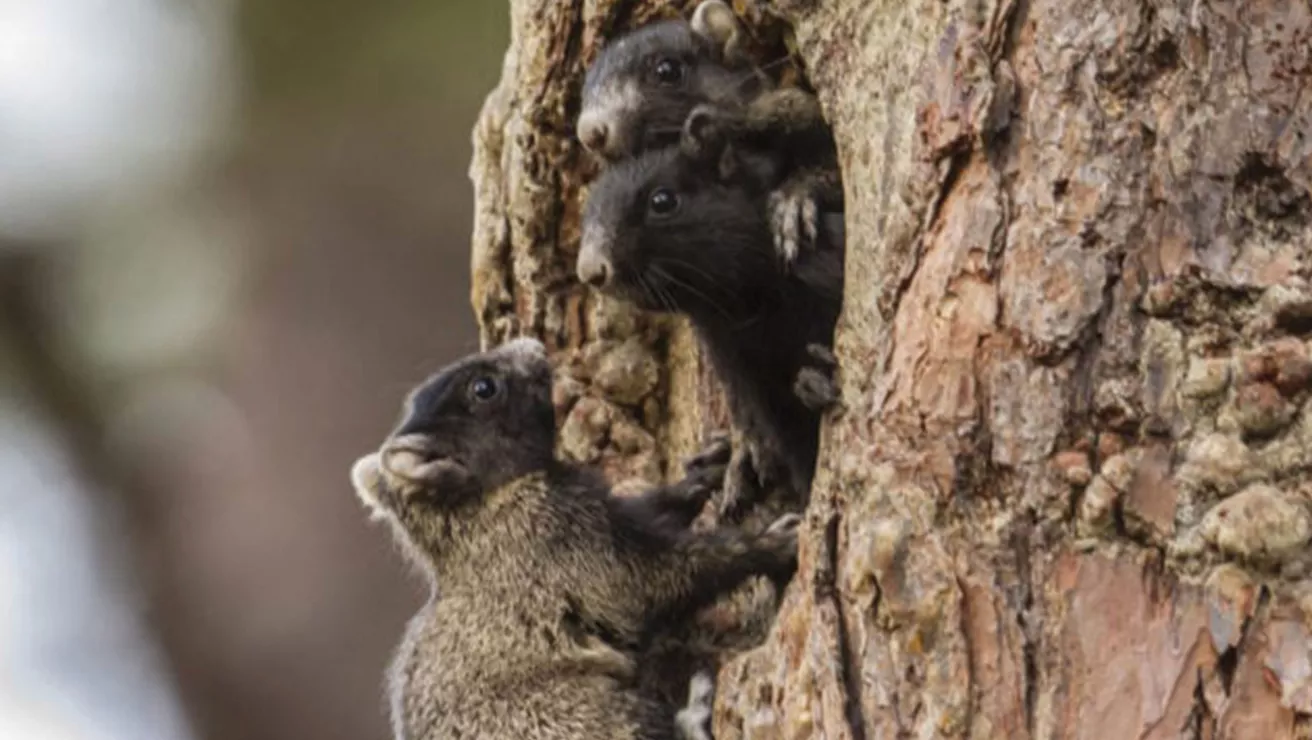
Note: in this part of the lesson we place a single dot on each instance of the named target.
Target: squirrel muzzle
(594, 266)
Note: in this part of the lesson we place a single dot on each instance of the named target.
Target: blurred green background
(197, 342)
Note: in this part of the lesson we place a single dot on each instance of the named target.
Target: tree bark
(1070, 494)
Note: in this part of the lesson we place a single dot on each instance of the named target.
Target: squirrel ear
(715, 21)
(705, 140)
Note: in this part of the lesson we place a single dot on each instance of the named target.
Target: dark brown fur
(630, 107)
(710, 257)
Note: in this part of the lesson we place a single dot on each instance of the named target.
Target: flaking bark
(1069, 496)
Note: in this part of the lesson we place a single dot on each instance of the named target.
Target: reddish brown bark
(1069, 494)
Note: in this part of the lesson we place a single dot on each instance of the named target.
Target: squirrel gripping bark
(546, 588)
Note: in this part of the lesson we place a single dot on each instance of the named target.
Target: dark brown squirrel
(643, 85)
(685, 229)
(545, 587)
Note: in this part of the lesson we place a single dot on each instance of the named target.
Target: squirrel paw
(700, 482)
(741, 484)
(815, 385)
(706, 471)
(822, 355)
(694, 720)
(717, 452)
(780, 539)
(794, 221)
(680, 504)
(785, 527)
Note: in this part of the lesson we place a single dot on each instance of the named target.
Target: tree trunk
(1070, 493)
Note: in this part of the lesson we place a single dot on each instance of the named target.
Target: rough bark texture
(1071, 492)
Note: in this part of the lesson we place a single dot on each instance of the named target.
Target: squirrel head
(642, 85)
(683, 229)
(469, 429)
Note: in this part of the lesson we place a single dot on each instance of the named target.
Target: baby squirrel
(685, 229)
(642, 87)
(543, 582)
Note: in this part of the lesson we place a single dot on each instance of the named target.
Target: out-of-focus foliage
(225, 254)
(101, 103)
(348, 51)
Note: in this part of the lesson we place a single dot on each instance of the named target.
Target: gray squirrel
(642, 87)
(546, 588)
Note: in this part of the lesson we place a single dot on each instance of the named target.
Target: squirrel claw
(700, 483)
(785, 526)
(781, 538)
(822, 354)
(795, 221)
(741, 485)
(706, 471)
(718, 451)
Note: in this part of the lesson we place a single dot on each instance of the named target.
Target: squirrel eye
(484, 388)
(662, 201)
(669, 71)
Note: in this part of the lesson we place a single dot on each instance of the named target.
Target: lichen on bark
(1069, 493)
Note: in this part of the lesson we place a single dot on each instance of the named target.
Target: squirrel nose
(593, 133)
(593, 269)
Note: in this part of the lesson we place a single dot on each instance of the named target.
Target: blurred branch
(28, 343)
(32, 364)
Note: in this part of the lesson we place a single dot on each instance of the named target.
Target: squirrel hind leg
(694, 720)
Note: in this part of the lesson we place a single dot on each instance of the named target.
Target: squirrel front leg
(700, 568)
(789, 119)
(784, 112)
(783, 116)
(674, 507)
(792, 118)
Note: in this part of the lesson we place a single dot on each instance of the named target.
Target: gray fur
(547, 590)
